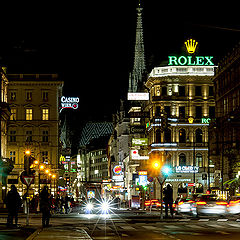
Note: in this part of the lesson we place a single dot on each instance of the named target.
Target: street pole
(27, 205)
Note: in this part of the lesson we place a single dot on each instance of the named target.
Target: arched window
(182, 159)
(182, 136)
(158, 136)
(199, 136)
(167, 135)
(199, 160)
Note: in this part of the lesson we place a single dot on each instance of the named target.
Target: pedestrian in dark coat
(13, 202)
(45, 206)
(168, 199)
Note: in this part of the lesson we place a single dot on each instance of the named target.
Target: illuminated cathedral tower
(135, 77)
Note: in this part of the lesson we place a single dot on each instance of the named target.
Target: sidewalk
(59, 233)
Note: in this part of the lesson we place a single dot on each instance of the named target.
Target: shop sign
(187, 169)
(117, 170)
(90, 194)
(69, 102)
(138, 96)
(206, 120)
(191, 45)
(139, 142)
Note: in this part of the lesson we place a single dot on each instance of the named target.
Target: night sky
(91, 44)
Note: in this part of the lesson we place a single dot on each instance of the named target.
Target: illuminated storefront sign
(190, 60)
(187, 169)
(69, 102)
(117, 170)
(138, 96)
(206, 120)
(142, 178)
(139, 141)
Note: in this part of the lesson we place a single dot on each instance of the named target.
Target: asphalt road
(141, 226)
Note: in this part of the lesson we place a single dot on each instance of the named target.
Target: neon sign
(190, 61)
(69, 102)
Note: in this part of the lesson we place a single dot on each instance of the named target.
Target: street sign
(25, 179)
(28, 180)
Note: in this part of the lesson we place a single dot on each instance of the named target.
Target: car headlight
(89, 206)
(105, 206)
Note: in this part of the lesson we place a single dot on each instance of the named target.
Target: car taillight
(158, 204)
(180, 203)
(147, 203)
(201, 203)
(221, 203)
(174, 205)
(191, 201)
(233, 202)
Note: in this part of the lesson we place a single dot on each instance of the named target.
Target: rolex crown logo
(191, 45)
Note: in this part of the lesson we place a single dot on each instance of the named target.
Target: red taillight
(191, 201)
(180, 203)
(174, 205)
(147, 203)
(221, 203)
(233, 202)
(158, 204)
(201, 203)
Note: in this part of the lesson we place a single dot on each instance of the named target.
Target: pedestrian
(45, 206)
(168, 199)
(13, 202)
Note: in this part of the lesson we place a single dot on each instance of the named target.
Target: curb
(34, 234)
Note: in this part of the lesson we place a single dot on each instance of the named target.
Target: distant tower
(135, 78)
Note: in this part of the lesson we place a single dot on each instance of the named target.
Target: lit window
(45, 114)
(13, 114)
(29, 114)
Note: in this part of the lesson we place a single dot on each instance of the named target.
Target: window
(167, 110)
(28, 95)
(182, 159)
(45, 96)
(212, 112)
(198, 112)
(158, 136)
(45, 114)
(167, 135)
(45, 136)
(13, 114)
(28, 136)
(13, 96)
(157, 113)
(12, 156)
(198, 91)
(44, 155)
(182, 112)
(181, 91)
(12, 136)
(182, 136)
(164, 91)
(199, 136)
(199, 160)
(211, 93)
(29, 114)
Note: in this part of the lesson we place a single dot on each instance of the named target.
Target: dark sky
(91, 43)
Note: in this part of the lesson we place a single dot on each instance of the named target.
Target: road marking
(150, 227)
(128, 228)
(171, 226)
(184, 220)
(103, 227)
(215, 225)
(222, 220)
(234, 225)
(203, 220)
(195, 226)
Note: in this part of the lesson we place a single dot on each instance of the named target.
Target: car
(234, 205)
(210, 204)
(186, 205)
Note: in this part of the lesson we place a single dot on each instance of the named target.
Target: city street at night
(127, 226)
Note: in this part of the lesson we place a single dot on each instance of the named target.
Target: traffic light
(166, 171)
(154, 163)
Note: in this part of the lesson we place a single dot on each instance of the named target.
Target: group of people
(45, 201)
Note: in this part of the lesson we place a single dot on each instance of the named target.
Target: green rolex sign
(190, 61)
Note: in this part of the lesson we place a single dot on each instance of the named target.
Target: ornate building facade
(34, 125)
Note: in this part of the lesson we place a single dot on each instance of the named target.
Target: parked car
(211, 204)
(234, 205)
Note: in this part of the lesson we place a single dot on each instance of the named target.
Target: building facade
(34, 125)
(225, 131)
(181, 106)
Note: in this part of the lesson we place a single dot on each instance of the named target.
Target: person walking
(168, 199)
(13, 202)
(45, 206)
